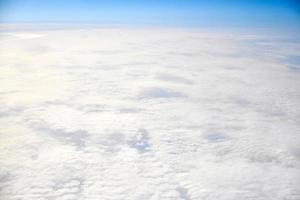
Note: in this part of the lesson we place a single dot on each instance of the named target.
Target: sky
(182, 12)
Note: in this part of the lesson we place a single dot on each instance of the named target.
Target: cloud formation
(110, 113)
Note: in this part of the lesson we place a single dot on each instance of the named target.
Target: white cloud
(153, 113)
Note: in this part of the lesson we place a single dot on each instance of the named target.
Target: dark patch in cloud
(76, 138)
(184, 54)
(294, 68)
(156, 92)
(9, 111)
(6, 180)
(140, 142)
(296, 153)
(4, 177)
(115, 138)
(62, 188)
(215, 137)
(55, 102)
(263, 157)
(112, 142)
(141, 63)
(234, 68)
(173, 78)
(183, 193)
(243, 102)
(90, 108)
(293, 62)
(129, 110)
(273, 112)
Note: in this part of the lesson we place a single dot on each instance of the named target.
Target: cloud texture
(149, 113)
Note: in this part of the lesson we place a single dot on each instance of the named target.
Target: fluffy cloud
(153, 113)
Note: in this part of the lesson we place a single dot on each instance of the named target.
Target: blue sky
(177, 12)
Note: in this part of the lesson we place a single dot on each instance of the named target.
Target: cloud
(197, 123)
(141, 141)
(173, 78)
(215, 137)
(157, 92)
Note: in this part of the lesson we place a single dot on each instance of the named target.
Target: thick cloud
(149, 113)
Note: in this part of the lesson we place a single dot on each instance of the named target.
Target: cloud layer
(153, 113)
